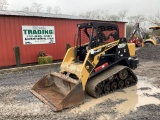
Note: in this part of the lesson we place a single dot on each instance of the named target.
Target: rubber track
(91, 83)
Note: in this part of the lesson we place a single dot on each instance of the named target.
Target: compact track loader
(100, 63)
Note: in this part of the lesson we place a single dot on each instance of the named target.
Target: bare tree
(132, 20)
(122, 14)
(57, 10)
(87, 14)
(105, 14)
(129, 28)
(26, 9)
(98, 14)
(113, 18)
(95, 14)
(36, 7)
(136, 19)
(49, 9)
(155, 19)
(3, 4)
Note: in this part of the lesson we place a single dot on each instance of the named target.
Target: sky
(134, 7)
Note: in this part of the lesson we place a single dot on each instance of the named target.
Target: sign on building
(38, 34)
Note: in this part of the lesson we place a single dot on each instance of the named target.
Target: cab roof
(155, 27)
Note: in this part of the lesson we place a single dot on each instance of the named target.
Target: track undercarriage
(117, 77)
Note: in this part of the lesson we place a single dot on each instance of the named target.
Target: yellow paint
(151, 41)
(155, 27)
(131, 47)
(79, 69)
(69, 57)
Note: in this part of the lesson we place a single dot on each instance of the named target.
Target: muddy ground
(141, 101)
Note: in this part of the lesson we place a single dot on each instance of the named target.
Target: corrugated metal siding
(11, 36)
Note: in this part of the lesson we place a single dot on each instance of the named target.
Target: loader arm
(97, 44)
(83, 70)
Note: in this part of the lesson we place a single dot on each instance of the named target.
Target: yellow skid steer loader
(100, 63)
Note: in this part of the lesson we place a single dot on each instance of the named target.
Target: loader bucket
(59, 91)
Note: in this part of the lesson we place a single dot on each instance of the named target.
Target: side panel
(131, 47)
(92, 60)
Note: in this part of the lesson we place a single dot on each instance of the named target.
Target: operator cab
(93, 34)
(156, 33)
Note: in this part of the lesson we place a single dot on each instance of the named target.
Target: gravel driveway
(141, 101)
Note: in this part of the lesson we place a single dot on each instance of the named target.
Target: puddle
(135, 96)
(143, 98)
(128, 93)
(86, 106)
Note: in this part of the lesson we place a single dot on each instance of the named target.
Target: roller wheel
(107, 88)
(133, 81)
(127, 82)
(117, 77)
(123, 74)
(99, 89)
(113, 86)
(121, 84)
